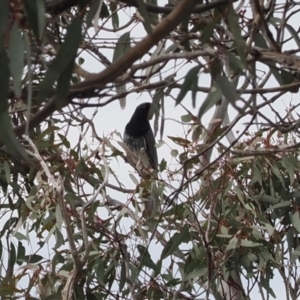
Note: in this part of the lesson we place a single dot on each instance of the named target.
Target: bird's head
(141, 113)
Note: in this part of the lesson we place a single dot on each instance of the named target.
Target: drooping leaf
(146, 17)
(208, 30)
(293, 33)
(7, 135)
(226, 88)
(4, 13)
(63, 59)
(189, 84)
(296, 221)
(16, 58)
(233, 20)
(177, 239)
(35, 11)
(114, 15)
(121, 90)
(180, 141)
(63, 84)
(123, 45)
(212, 98)
(145, 258)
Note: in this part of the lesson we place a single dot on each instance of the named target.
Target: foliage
(227, 218)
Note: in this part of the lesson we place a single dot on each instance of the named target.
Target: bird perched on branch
(141, 152)
(140, 142)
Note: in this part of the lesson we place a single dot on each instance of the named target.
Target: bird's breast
(135, 144)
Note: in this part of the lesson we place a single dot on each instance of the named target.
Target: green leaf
(265, 282)
(247, 243)
(177, 239)
(153, 17)
(293, 33)
(122, 276)
(145, 258)
(275, 73)
(123, 45)
(21, 254)
(180, 141)
(63, 84)
(4, 13)
(196, 274)
(208, 30)
(226, 88)
(162, 165)
(121, 90)
(233, 20)
(4, 80)
(288, 163)
(33, 259)
(35, 11)
(16, 51)
(174, 152)
(12, 257)
(260, 41)
(256, 175)
(92, 12)
(58, 217)
(59, 238)
(212, 98)
(7, 135)
(296, 221)
(232, 244)
(49, 131)
(145, 14)
(100, 272)
(280, 205)
(64, 57)
(114, 15)
(197, 131)
(266, 198)
(235, 63)
(190, 82)
(20, 236)
(133, 178)
(186, 118)
(6, 171)
(157, 99)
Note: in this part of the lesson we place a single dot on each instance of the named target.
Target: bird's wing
(151, 149)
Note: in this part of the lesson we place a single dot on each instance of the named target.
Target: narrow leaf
(212, 98)
(293, 33)
(16, 58)
(227, 88)
(296, 221)
(123, 45)
(145, 14)
(190, 80)
(63, 84)
(35, 11)
(233, 20)
(7, 135)
(64, 57)
(4, 13)
(176, 240)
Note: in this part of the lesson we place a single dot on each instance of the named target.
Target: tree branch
(121, 65)
(59, 6)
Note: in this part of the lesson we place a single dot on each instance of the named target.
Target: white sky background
(112, 118)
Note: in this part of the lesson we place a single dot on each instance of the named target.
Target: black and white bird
(140, 142)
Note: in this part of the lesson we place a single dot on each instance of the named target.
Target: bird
(141, 152)
(140, 142)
